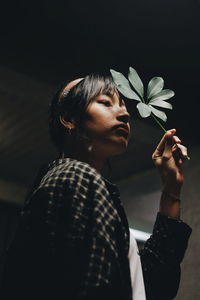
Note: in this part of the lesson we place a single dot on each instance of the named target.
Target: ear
(67, 124)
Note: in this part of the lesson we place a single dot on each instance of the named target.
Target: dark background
(45, 42)
(54, 40)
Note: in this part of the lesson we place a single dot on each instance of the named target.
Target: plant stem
(158, 123)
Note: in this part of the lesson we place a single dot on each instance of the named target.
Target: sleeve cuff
(175, 226)
(172, 234)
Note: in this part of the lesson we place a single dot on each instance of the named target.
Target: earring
(69, 131)
(90, 148)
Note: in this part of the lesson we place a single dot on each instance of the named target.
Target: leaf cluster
(155, 96)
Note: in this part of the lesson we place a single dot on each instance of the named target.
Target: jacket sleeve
(161, 257)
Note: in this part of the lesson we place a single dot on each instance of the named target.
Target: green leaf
(163, 95)
(136, 82)
(128, 92)
(123, 85)
(161, 103)
(158, 113)
(144, 110)
(155, 85)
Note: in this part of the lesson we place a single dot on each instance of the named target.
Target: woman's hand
(168, 157)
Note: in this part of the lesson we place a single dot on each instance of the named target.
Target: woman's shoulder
(69, 170)
(72, 176)
(68, 165)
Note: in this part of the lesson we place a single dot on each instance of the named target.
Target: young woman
(72, 241)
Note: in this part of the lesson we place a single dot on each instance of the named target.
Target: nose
(123, 115)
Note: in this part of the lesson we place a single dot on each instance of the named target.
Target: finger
(179, 154)
(180, 161)
(167, 153)
(176, 151)
(183, 150)
(161, 145)
(176, 139)
(172, 146)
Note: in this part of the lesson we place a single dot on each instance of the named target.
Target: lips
(123, 128)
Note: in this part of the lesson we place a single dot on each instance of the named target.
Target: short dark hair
(73, 105)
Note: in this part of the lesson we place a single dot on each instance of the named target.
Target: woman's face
(107, 125)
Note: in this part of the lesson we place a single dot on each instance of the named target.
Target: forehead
(115, 97)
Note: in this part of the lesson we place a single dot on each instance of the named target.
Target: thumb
(167, 153)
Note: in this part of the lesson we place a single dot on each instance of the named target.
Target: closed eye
(105, 102)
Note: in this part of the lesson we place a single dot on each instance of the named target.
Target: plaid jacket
(73, 240)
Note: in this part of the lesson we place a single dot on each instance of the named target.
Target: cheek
(98, 120)
(97, 125)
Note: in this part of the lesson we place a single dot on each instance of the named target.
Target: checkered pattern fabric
(73, 240)
(93, 212)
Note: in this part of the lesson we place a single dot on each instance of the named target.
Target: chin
(119, 149)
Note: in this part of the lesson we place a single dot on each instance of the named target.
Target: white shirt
(137, 281)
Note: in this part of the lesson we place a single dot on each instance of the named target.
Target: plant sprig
(155, 96)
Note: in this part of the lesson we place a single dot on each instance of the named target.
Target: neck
(88, 155)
